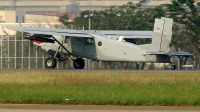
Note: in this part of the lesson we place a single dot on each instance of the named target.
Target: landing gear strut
(50, 62)
(79, 63)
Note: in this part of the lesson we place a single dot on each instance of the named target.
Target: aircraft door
(89, 47)
(78, 45)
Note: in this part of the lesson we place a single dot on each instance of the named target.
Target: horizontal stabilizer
(181, 53)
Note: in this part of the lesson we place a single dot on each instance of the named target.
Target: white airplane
(102, 45)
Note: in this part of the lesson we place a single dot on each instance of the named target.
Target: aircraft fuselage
(106, 49)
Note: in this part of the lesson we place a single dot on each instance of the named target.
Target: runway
(100, 70)
(92, 108)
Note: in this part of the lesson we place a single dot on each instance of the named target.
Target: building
(69, 6)
(15, 51)
(10, 16)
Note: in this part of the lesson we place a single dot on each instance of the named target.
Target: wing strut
(61, 45)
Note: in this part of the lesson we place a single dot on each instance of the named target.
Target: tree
(64, 19)
(186, 34)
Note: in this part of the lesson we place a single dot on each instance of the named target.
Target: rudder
(162, 34)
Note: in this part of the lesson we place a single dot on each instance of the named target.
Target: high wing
(82, 33)
(49, 31)
(180, 53)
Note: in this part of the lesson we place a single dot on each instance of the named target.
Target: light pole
(89, 18)
(88, 62)
(89, 14)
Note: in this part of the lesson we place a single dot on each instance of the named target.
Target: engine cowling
(39, 37)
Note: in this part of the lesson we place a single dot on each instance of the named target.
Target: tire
(79, 63)
(173, 67)
(50, 63)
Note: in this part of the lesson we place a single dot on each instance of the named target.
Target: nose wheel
(79, 63)
(50, 62)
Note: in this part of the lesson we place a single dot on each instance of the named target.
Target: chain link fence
(19, 53)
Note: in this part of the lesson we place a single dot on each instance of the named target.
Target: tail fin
(162, 34)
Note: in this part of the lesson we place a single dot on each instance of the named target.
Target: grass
(102, 88)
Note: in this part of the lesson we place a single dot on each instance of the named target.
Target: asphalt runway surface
(101, 70)
(92, 108)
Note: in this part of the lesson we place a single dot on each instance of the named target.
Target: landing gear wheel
(50, 62)
(79, 63)
(173, 67)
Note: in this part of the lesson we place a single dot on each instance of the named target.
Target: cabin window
(90, 41)
(99, 43)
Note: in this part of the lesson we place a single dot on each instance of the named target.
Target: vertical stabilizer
(162, 34)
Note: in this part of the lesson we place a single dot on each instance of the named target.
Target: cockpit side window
(67, 39)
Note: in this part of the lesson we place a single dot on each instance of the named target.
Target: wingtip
(15, 28)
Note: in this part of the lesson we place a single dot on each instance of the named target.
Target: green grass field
(102, 88)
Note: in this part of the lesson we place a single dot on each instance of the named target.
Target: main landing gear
(79, 63)
(172, 66)
(51, 63)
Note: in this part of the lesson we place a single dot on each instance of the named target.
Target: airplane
(103, 45)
